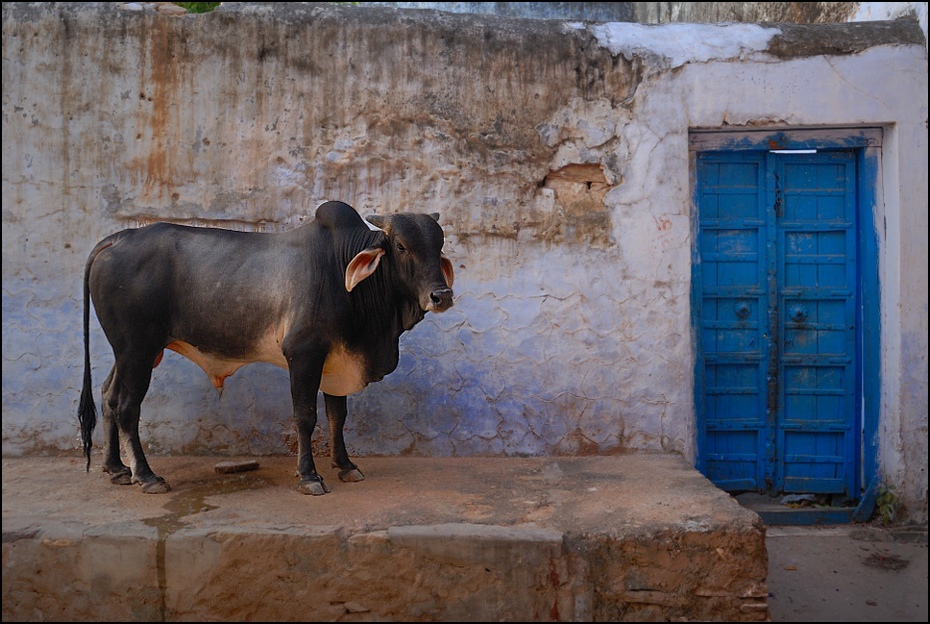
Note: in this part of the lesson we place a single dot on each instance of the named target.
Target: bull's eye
(399, 246)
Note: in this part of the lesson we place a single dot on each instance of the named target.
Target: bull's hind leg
(128, 385)
(119, 472)
(336, 412)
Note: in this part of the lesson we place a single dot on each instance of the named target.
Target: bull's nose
(441, 299)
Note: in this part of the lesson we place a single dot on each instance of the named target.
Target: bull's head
(414, 242)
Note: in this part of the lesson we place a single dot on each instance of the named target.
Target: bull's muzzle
(440, 300)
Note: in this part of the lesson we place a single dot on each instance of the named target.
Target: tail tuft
(87, 416)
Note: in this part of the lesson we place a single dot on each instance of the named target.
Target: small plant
(198, 7)
(886, 504)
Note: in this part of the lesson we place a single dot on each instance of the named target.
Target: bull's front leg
(306, 370)
(336, 413)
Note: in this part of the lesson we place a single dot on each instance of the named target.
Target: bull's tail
(87, 410)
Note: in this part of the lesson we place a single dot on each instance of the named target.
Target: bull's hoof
(124, 478)
(314, 487)
(351, 475)
(155, 486)
(120, 475)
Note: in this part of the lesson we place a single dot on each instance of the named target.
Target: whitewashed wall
(556, 153)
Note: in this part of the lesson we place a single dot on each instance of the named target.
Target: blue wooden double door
(776, 316)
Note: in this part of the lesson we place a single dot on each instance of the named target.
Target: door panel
(816, 256)
(732, 247)
(778, 285)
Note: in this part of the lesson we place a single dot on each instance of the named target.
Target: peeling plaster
(672, 45)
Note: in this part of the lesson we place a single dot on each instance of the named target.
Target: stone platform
(620, 538)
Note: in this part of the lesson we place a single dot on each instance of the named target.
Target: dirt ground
(848, 573)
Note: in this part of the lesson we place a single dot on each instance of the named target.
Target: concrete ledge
(630, 537)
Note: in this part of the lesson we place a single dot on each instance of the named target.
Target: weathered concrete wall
(712, 12)
(587, 11)
(555, 152)
(655, 12)
(687, 12)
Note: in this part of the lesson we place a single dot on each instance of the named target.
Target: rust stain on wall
(157, 93)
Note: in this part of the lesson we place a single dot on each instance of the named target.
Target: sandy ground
(850, 573)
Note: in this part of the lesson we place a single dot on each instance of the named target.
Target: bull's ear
(447, 271)
(434, 215)
(362, 266)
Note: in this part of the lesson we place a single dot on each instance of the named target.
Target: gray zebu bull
(326, 301)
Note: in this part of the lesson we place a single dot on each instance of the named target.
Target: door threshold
(797, 509)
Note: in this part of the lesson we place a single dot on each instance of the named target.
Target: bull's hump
(337, 215)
